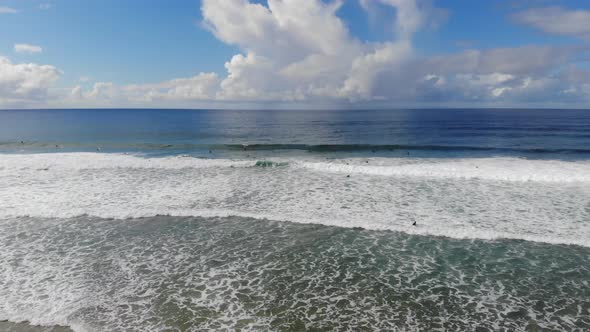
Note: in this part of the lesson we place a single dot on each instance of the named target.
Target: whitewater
(467, 198)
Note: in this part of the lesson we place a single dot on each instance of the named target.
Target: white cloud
(385, 59)
(505, 76)
(556, 20)
(409, 17)
(301, 49)
(7, 10)
(27, 48)
(25, 83)
(199, 87)
(45, 6)
(517, 60)
(301, 52)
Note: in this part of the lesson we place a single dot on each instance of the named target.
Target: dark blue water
(532, 133)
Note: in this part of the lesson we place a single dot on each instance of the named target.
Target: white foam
(502, 169)
(463, 198)
(83, 160)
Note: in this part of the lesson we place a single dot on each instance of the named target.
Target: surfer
(414, 223)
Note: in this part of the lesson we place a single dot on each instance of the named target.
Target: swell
(318, 148)
(390, 147)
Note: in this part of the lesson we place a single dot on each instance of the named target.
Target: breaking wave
(483, 198)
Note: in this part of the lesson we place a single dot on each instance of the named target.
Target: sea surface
(364, 220)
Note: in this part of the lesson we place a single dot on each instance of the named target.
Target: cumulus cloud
(27, 48)
(385, 60)
(301, 51)
(199, 87)
(45, 6)
(291, 48)
(557, 20)
(25, 83)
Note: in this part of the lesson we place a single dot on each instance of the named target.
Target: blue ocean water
(531, 133)
(364, 220)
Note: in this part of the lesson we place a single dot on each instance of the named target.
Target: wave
(498, 169)
(480, 198)
(319, 148)
(389, 147)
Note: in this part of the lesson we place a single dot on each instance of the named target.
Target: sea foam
(481, 198)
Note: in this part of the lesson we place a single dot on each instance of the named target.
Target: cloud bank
(300, 52)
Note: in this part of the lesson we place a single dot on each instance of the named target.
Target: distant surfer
(348, 176)
(210, 151)
(98, 148)
(414, 223)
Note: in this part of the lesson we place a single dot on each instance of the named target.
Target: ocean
(349, 220)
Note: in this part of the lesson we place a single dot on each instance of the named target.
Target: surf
(479, 198)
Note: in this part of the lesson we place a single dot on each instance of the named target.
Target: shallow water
(162, 273)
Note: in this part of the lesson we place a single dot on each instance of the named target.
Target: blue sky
(355, 53)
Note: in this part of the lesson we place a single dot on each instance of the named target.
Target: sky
(294, 53)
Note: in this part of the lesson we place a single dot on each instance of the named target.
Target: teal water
(179, 220)
(170, 273)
